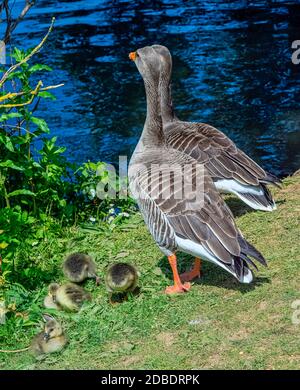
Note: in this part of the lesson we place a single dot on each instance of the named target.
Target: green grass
(218, 324)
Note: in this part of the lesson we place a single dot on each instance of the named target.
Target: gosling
(78, 266)
(121, 278)
(51, 339)
(68, 296)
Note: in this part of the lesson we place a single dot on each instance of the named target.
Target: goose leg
(178, 287)
(194, 273)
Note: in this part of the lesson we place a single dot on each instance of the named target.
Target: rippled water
(232, 69)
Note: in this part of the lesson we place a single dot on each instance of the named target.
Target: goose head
(165, 58)
(148, 63)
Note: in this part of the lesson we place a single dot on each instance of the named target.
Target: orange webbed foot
(194, 273)
(178, 289)
(188, 276)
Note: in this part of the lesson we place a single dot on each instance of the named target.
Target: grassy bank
(219, 324)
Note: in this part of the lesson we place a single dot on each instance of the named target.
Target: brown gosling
(79, 266)
(51, 339)
(68, 296)
(121, 278)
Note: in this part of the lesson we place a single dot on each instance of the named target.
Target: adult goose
(178, 199)
(230, 168)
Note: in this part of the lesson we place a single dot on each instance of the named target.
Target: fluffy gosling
(51, 339)
(68, 296)
(78, 266)
(121, 278)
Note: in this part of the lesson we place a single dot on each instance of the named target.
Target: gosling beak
(46, 336)
(132, 56)
(54, 298)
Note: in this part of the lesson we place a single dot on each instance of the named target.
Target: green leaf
(47, 95)
(60, 150)
(7, 142)
(39, 67)
(18, 54)
(10, 164)
(18, 74)
(41, 123)
(5, 117)
(21, 192)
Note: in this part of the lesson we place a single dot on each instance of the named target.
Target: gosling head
(52, 328)
(148, 63)
(53, 287)
(90, 271)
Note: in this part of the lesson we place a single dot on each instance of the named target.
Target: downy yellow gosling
(68, 296)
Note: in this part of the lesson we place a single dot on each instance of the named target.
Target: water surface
(232, 69)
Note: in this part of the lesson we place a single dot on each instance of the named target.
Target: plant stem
(6, 197)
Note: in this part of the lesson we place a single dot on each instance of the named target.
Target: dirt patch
(241, 334)
(166, 338)
(130, 361)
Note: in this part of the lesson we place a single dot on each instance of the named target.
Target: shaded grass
(218, 324)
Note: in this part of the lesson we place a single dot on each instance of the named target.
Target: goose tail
(258, 200)
(272, 179)
(243, 262)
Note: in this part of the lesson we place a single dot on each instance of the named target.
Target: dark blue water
(232, 69)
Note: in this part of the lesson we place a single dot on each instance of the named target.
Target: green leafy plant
(39, 188)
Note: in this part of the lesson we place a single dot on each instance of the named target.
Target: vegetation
(49, 208)
(218, 324)
(40, 191)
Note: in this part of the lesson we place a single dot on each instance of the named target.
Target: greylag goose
(230, 168)
(178, 199)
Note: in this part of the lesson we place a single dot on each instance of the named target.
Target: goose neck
(165, 92)
(152, 133)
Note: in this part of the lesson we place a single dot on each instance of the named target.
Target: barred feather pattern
(197, 217)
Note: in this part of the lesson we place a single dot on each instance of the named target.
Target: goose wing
(220, 155)
(181, 201)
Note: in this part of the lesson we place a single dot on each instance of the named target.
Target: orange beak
(132, 55)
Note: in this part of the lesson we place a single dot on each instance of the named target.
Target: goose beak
(132, 56)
